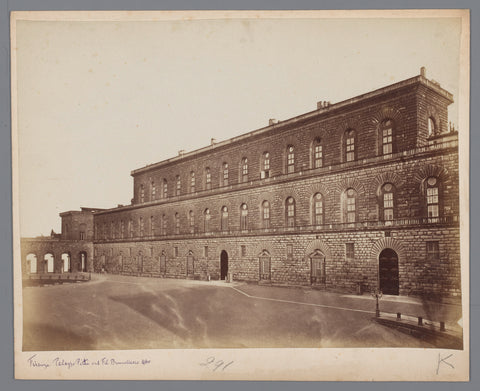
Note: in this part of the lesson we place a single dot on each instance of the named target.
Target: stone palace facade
(359, 194)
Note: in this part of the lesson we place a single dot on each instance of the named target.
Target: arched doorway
(388, 272)
(190, 265)
(66, 263)
(223, 265)
(264, 261)
(317, 261)
(49, 263)
(32, 263)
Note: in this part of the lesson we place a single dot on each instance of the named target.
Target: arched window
(350, 145)
(208, 179)
(225, 174)
(153, 191)
(243, 217)
(192, 182)
(290, 212)
(165, 189)
(433, 210)
(191, 221)
(163, 225)
(290, 159)
(178, 185)
(432, 128)
(206, 220)
(387, 203)
(244, 169)
(351, 205)
(142, 193)
(266, 214)
(317, 208)
(224, 219)
(265, 166)
(122, 229)
(317, 152)
(386, 129)
(177, 223)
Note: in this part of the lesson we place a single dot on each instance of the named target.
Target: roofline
(82, 209)
(335, 106)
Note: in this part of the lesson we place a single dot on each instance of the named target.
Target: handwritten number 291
(213, 364)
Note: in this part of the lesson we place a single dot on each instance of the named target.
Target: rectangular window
(388, 206)
(82, 235)
(387, 141)
(350, 149)
(208, 180)
(141, 226)
(351, 215)
(225, 174)
(265, 173)
(175, 251)
(122, 229)
(152, 226)
(142, 193)
(433, 251)
(350, 251)
(165, 189)
(318, 156)
(289, 251)
(205, 251)
(290, 163)
(244, 250)
(192, 183)
(179, 187)
(153, 191)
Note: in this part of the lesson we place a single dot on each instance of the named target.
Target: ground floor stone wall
(342, 261)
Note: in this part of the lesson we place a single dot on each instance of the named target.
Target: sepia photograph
(241, 187)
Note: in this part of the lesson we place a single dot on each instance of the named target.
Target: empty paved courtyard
(116, 312)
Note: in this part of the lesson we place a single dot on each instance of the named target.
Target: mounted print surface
(221, 195)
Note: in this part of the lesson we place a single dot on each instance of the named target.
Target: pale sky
(99, 99)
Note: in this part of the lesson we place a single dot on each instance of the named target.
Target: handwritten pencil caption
(35, 362)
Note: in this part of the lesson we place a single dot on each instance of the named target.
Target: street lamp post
(377, 293)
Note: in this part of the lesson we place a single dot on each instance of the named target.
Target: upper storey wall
(77, 226)
(408, 108)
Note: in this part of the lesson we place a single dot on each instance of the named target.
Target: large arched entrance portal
(388, 272)
(223, 265)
